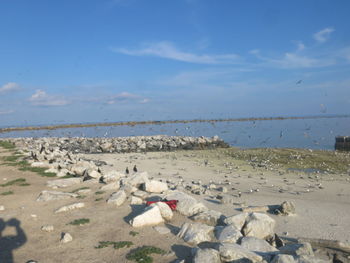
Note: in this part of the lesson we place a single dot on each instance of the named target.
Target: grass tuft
(141, 254)
(18, 181)
(133, 233)
(116, 245)
(7, 193)
(99, 192)
(79, 222)
(7, 145)
(81, 188)
(99, 199)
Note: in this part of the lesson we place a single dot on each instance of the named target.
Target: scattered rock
(45, 196)
(47, 228)
(195, 233)
(151, 216)
(287, 208)
(257, 245)
(259, 225)
(136, 179)
(165, 210)
(297, 249)
(60, 183)
(206, 255)
(136, 200)
(229, 234)
(187, 205)
(236, 253)
(66, 237)
(210, 217)
(111, 186)
(70, 207)
(281, 258)
(162, 230)
(2, 208)
(117, 198)
(112, 176)
(155, 186)
(236, 220)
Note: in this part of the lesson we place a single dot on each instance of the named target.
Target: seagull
(135, 168)
(299, 82)
(127, 170)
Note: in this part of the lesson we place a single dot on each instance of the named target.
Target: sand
(320, 212)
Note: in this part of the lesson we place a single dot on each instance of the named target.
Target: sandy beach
(322, 202)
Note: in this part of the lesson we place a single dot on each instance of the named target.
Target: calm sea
(300, 133)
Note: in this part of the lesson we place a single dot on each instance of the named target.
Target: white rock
(45, 196)
(66, 237)
(206, 255)
(229, 234)
(233, 252)
(165, 210)
(117, 198)
(187, 205)
(111, 186)
(77, 169)
(94, 174)
(136, 200)
(259, 225)
(151, 216)
(39, 164)
(52, 170)
(257, 245)
(162, 230)
(2, 208)
(47, 228)
(281, 258)
(70, 207)
(136, 179)
(195, 233)
(142, 194)
(210, 217)
(62, 172)
(236, 220)
(155, 186)
(61, 183)
(112, 176)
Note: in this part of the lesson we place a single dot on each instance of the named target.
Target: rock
(210, 217)
(66, 237)
(162, 230)
(141, 194)
(236, 253)
(61, 183)
(83, 191)
(39, 164)
(136, 179)
(62, 172)
(227, 199)
(94, 174)
(287, 208)
(297, 249)
(195, 233)
(47, 228)
(117, 198)
(70, 207)
(112, 176)
(2, 208)
(45, 196)
(151, 216)
(281, 258)
(237, 220)
(259, 225)
(155, 186)
(165, 210)
(229, 234)
(257, 245)
(206, 255)
(111, 186)
(78, 170)
(310, 259)
(136, 200)
(187, 205)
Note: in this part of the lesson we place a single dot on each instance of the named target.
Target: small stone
(70, 207)
(2, 208)
(155, 186)
(162, 230)
(47, 228)
(66, 237)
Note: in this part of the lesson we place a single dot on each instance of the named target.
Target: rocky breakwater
(123, 144)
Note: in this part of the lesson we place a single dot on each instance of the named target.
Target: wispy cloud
(127, 97)
(9, 87)
(168, 50)
(323, 35)
(6, 112)
(41, 98)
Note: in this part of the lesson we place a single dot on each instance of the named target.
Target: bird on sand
(127, 170)
(135, 168)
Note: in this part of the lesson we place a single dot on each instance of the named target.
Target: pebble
(2, 208)
(47, 228)
(66, 237)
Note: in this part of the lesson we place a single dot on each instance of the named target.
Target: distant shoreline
(133, 123)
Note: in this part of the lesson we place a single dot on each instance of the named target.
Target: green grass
(142, 254)
(7, 193)
(7, 145)
(133, 233)
(39, 170)
(81, 188)
(99, 192)
(79, 222)
(99, 199)
(12, 158)
(18, 181)
(81, 196)
(116, 245)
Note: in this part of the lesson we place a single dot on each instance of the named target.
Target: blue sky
(74, 61)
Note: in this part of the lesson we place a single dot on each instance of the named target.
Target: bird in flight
(299, 82)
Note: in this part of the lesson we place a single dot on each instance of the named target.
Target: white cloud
(168, 50)
(300, 46)
(127, 97)
(323, 35)
(6, 112)
(9, 87)
(41, 98)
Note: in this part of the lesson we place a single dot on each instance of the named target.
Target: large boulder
(153, 186)
(112, 176)
(187, 205)
(206, 255)
(117, 198)
(257, 245)
(151, 216)
(259, 225)
(61, 183)
(210, 217)
(45, 196)
(229, 234)
(236, 253)
(236, 220)
(281, 258)
(136, 179)
(195, 233)
(165, 210)
(298, 249)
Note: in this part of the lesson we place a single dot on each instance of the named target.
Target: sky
(77, 61)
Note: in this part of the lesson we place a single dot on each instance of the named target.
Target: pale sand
(321, 213)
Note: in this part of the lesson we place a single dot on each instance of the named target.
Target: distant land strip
(133, 123)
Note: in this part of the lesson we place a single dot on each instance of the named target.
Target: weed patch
(142, 254)
(79, 222)
(116, 245)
